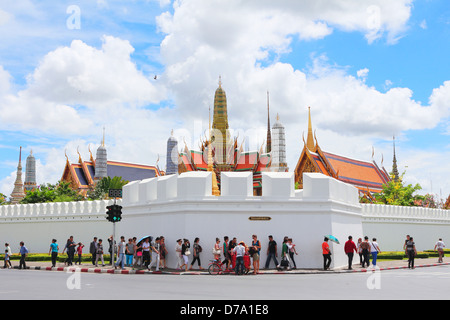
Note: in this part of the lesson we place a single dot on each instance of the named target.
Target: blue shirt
(54, 247)
(23, 250)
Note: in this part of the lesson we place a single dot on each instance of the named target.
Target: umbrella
(142, 239)
(332, 238)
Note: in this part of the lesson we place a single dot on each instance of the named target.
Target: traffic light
(114, 213)
(117, 213)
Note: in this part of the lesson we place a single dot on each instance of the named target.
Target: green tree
(102, 187)
(60, 192)
(3, 199)
(397, 194)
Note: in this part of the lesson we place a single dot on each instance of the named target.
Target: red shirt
(349, 247)
(325, 248)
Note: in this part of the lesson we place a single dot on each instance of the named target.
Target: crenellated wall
(38, 224)
(390, 225)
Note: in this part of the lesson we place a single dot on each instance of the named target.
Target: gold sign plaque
(259, 218)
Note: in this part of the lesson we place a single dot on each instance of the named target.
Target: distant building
(279, 163)
(172, 155)
(30, 173)
(83, 175)
(18, 193)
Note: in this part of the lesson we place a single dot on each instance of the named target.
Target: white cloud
(423, 24)
(362, 73)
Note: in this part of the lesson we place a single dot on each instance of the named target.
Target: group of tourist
(147, 253)
(365, 249)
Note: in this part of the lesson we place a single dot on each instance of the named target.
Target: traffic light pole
(113, 242)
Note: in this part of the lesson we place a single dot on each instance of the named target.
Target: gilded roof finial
(220, 81)
(310, 139)
(394, 165)
(103, 141)
(215, 187)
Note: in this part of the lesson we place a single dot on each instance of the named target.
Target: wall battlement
(55, 211)
(237, 186)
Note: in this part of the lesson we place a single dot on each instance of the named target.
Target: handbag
(187, 252)
(216, 251)
(284, 262)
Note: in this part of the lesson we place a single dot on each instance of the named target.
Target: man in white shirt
(155, 255)
(240, 252)
(374, 250)
(440, 248)
(121, 253)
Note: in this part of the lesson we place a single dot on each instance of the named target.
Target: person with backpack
(196, 254)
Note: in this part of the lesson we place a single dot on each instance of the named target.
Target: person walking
(7, 260)
(411, 252)
(9, 252)
(239, 250)
(53, 251)
(374, 250)
(155, 249)
(70, 247)
(440, 245)
(93, 250)
(359, 249)
(285, 261)
(162, 252)
(112, 248)
(129, 252)
(137, 254)
(79, 252)
(292, 251)
(121, 254)
(216, 249)
(185, 252)
(178, 247)
(365, 248)
(99, 253)
(146, 252)
(349, 247)
(326, 252)
(271, 252)
(23, 254)
(256, 245)
(225, 250)
(406, 241)
(196, 254)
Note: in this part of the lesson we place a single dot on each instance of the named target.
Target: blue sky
(59, 86)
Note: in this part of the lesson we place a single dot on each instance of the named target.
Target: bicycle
(216, 267)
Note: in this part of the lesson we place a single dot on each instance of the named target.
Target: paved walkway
(87, 267)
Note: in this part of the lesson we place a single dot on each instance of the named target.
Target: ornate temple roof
(81, 175)
(364, 175)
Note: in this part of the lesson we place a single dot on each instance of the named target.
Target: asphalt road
(420, 283)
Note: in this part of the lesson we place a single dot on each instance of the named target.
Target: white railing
(54, 209)
(402, 212)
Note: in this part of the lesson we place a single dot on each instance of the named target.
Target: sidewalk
(88, 267)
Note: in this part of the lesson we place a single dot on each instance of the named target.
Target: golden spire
(215, 187)
(310, 139)
(103, 140)
(269, 135)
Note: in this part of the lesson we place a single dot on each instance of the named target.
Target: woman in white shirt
(440, 248)
(374, 250)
